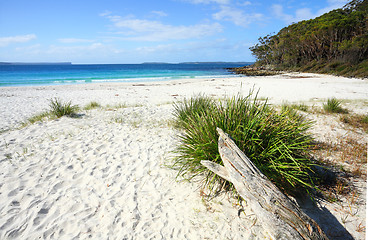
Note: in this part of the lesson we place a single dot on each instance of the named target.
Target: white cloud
(76, 49)
(97, 51)
(208, 50)
(332, 4)
(105, 13)
(74, 40)
(305, 13)
(83, 53)
(278, 11)
(338, 2)
(232, 12)
(5, 41)
(29, 50)
(159, 49)
(237, 16)
(159, 13)
(246, 3)
(209, 1)
(300, 14)
(147, 30)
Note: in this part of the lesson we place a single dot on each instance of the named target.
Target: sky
(122, 31)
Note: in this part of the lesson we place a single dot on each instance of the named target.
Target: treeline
(336, 42)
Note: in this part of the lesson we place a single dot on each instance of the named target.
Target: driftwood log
(280, 217)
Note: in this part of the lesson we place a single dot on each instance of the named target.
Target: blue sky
(122, 31)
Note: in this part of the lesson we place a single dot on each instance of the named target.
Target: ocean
(58, 74)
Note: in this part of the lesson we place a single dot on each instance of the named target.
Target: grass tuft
(92, 105)
(38, 117)
(277, 143)
(186, 109)
(301, 107)
(59, 108)
(333, 105)
(364, 119)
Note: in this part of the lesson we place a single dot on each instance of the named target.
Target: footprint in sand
(13, 192)
(40, 215)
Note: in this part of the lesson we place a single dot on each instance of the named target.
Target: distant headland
(35, 63)
(210, 63)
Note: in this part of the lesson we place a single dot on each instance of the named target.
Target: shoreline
(105, 173)
(124, 81)
(288, 87)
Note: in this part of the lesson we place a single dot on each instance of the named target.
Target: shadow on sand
(325, 219)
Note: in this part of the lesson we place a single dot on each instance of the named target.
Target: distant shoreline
(35, 63)
(145, 63)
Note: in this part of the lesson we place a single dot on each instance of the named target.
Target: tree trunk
(281, 218)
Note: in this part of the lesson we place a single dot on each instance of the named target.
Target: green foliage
(340, 35)
(277, 143)
(288, 107)
(365, 119)
(38, 117)
(189, 107)
(333, 106)
(92, 105)
(59, 108)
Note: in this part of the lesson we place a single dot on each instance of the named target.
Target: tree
(338, 36)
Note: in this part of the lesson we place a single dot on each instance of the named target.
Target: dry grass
(342, 188)
(356, 121)
(349, 153)
(342, 148)
(360, 228)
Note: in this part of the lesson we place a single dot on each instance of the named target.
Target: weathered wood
(281, 217)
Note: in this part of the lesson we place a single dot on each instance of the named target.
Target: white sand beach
(103, 175)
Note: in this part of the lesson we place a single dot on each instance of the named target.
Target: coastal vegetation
(92, 105)
(276, 142)
(38, 117)
(59, 108)
(277, 139)
(334, 43)
(333, 105)
(356, 121)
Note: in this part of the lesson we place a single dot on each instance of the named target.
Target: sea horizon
(65, 73)
(72, 63)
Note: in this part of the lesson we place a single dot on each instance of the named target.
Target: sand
(104, 174)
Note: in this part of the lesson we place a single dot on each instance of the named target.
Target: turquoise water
(33, 75)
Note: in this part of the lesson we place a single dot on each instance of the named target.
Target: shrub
(333, 106)
(59, 108)
(276, 142)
